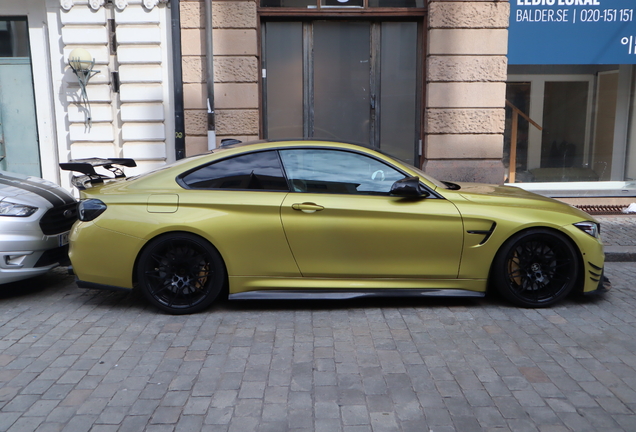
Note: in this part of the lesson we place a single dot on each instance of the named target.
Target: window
(253, 171)
(14, 37)
(338, 172)
(580, 118)
(327, 4)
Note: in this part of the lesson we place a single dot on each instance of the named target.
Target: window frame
(179, 178)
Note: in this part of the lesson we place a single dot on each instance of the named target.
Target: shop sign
(572, 32)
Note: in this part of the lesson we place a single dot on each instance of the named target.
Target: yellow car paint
(292, 240)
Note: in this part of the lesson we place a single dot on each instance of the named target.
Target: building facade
(421, 80)
(128, 111)
(458, 87)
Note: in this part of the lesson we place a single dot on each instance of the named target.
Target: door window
(253, 171)
(338, 172)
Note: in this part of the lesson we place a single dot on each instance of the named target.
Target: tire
(180, 273)
(536, 268)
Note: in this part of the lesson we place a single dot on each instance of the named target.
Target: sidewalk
(619, 237)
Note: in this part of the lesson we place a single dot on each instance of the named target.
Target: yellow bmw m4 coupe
(325, 220)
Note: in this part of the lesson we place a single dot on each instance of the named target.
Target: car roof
(285, 142)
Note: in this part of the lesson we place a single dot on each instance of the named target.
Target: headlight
(8, 208)
(592, 228)
(89, 209)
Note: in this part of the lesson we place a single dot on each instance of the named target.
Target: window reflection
(253, 171)
(580, 118)
(338, 172)
(14, 37)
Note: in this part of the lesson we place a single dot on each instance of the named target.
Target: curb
(620, 254)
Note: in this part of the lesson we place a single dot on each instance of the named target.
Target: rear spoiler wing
(87, 167)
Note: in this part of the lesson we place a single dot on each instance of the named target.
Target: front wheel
(536, 268)
(180, 273)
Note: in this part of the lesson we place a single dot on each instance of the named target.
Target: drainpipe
(209, 57)
(177, 76)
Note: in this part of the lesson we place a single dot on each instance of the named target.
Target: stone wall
(235, 71)
(465, 89)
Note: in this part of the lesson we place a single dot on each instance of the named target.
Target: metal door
(19, 148)
(355, 81)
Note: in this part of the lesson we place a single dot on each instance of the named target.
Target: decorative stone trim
(149, 4)
(95, 4)
(121, 4)
(66, 4)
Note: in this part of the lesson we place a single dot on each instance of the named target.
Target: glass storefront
(572, 123)
(570, 111)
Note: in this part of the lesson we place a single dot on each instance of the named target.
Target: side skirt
(344, 295)
(92, 285)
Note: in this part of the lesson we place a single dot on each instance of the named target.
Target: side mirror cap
(409, 187)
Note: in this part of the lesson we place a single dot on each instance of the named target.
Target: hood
(32, 190)
(515, 197)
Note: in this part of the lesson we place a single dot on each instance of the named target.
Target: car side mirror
(409, 187)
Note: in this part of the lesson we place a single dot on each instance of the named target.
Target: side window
(339, 172)
(253, 171)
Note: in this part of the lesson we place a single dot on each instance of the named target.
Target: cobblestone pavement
(618, 230)
(75, 360)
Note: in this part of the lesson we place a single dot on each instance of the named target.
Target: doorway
(354, 81)
(559, 149)
(19, 147)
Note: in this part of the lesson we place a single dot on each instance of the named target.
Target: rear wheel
(180, 273)
(536, 268)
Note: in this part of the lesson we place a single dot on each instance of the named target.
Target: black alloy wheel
(536, 268)
(180, 273)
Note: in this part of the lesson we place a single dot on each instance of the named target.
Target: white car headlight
(8, 208)
(592, 228)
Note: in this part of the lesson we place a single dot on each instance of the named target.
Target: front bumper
(25, 255)
(604, 285)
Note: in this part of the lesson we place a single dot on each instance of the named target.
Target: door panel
(353, 81)
(372, 236)
(398, 96)
(284, 83)
(259, 248)
(342, 107)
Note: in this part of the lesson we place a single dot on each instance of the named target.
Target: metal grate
(602, 209)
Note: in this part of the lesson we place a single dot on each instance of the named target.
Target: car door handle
(307, 207)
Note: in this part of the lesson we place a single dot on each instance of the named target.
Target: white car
(35, 218)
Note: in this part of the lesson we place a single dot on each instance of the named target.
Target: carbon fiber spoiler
(87, 167)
